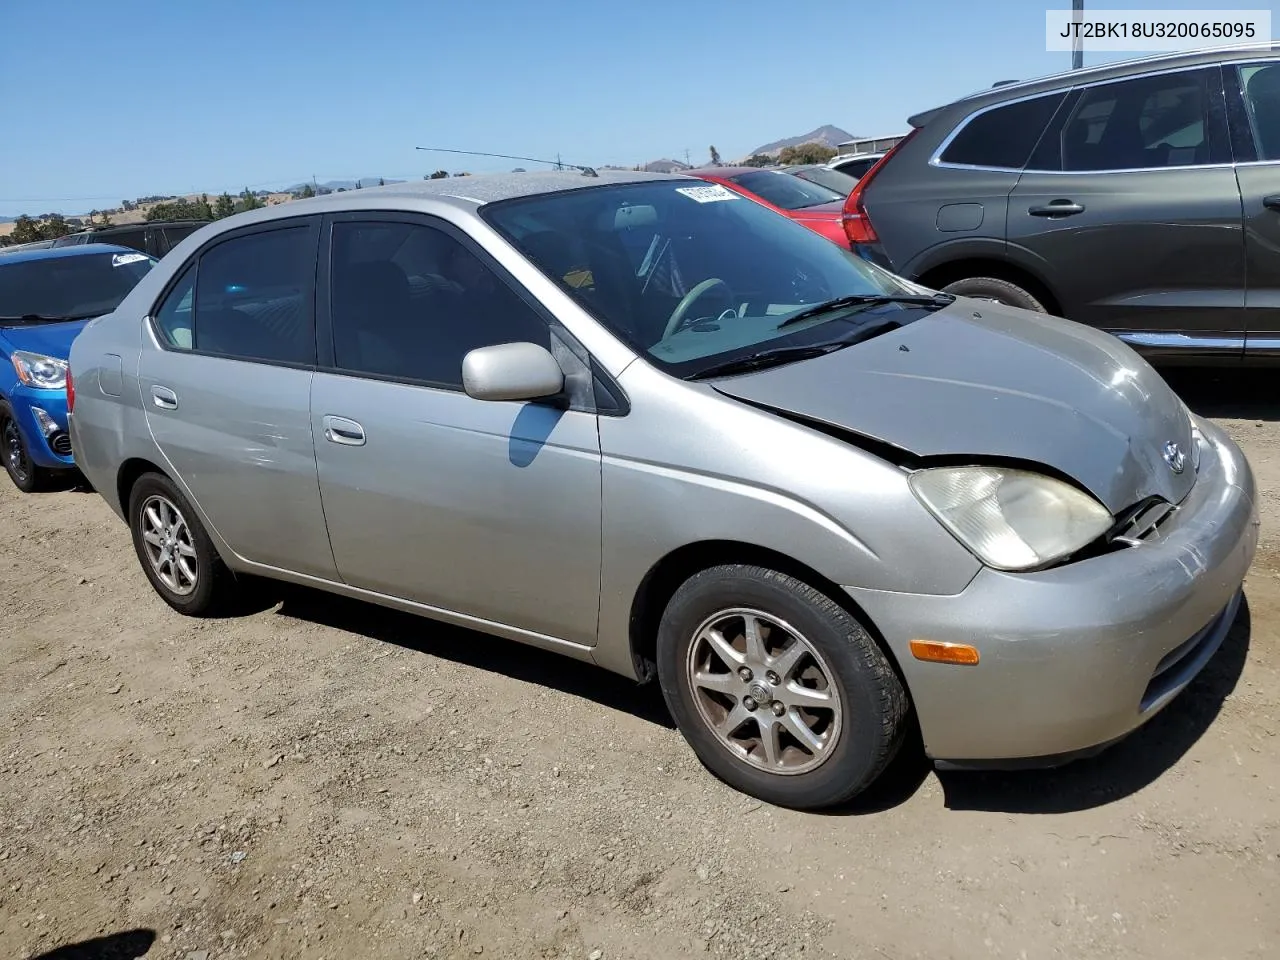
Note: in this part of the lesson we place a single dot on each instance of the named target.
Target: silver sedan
(645, 423)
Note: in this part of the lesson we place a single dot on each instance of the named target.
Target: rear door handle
(1272, 202)
(1059, 208)
(344, 431)
(164, 398)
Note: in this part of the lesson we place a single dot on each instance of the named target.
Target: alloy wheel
(169, 545)
(764, 691)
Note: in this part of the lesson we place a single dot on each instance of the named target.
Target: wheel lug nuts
(773, 678)
(749, 703)
(745, 674)
(778, 708)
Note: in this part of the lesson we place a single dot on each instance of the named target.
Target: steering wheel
(688, 300)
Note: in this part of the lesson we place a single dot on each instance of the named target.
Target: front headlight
(1011, 519)
(37, 370)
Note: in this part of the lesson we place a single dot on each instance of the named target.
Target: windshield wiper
(937, 301)
(766, 358)
(44, 318)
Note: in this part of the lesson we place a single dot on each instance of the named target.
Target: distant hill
(7, 219)
(831, 136)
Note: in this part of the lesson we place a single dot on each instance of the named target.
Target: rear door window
(1145, 123)
(250, 297)
(1004, 136)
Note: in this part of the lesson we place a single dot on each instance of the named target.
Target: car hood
(823, 211)
(51, 339)
(978, 382)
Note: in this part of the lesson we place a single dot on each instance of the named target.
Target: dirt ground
(322, 779)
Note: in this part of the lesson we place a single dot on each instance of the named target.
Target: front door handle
(1272, 202)
(344, 431)
(1059, 208)
(164, 398)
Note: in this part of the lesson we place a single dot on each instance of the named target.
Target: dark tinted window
(1261, 87)
(170, 237)
(835, 180)
(1159, 121)
(71, 286)
(410, 302)
(1004, 136)
(252, 297)
(785, 191)
(856, 168)
(135, 238)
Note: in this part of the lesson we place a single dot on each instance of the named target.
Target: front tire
(992, 288)
(26, 476)
(175, 551)
(779, 690)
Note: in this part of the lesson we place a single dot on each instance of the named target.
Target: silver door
(236, 432)
(487, 509)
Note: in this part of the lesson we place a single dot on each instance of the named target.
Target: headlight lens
(1011, 519)
(37, 370)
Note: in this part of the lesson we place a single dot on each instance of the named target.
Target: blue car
(46, 298)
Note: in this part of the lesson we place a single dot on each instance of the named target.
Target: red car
(814, 205)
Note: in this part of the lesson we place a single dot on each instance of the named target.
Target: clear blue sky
(109, 100)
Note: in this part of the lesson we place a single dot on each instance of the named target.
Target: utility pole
(559, 165)
(1077, 42)
(687, 162)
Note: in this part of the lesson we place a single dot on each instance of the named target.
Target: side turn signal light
(936, 651)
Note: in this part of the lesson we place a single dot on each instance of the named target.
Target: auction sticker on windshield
(708, 194)
(120, 259)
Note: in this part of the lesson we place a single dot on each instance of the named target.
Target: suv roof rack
(1172, 56)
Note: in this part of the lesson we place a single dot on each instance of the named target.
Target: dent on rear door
(240, 441)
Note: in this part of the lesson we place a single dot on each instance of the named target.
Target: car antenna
(586, 171)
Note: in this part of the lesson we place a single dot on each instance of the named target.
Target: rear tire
(802, 710)
(26, 476)
(175, 551)
(992, 288)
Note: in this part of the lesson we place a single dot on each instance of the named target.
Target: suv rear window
(1004, 136)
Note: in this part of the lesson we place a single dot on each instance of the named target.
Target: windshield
(692, 274)
(785, 191)
(73, 286)
(842, 183)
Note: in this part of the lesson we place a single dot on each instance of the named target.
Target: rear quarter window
(1004, 136)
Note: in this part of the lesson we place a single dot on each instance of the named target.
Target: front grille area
(61, 444)
(1141, 522)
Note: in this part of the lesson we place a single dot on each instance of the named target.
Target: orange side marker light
(936, 651)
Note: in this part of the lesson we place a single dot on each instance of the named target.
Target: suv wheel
(991, 288)
(175, 551)
(780, 692)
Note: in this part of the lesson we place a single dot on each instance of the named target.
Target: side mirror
(511, 371)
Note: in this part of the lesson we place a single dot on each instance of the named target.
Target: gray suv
(1142, 198)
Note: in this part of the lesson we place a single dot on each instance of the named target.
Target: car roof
(469, 192)
(1115, 70)
(57, 253)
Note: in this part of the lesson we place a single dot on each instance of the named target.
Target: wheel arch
(939, 275)
(666, 576)
(128, 475)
